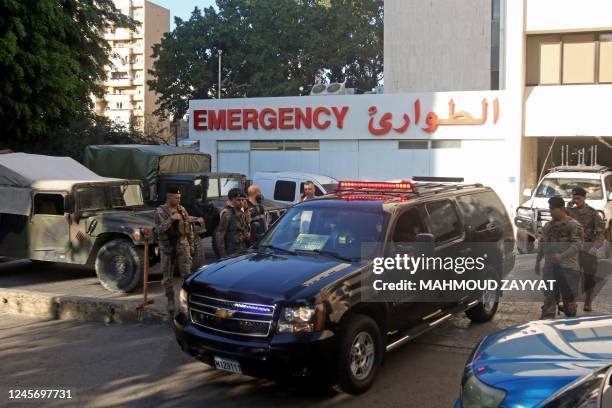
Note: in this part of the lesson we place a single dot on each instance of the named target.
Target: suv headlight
(183, 301)
(476, 394)
(525, 212)
(301, 319)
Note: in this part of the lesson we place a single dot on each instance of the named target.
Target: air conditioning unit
(335, 88)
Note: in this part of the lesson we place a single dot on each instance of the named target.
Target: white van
(534, 213)
(287, 187)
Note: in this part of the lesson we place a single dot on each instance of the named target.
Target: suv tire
(360, 354)
(486, 308)
(120, 266)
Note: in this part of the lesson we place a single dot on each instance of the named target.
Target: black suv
(296, 304)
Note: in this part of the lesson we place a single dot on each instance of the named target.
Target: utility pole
(220, 52)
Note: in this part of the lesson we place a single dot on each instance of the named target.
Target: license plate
(227, 365)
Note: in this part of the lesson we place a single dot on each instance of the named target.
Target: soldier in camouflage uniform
(561, 241)
(594, 227)
(233, 232)
(175, 237)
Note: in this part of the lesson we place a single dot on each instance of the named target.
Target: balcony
(126, 99)
(119, 82)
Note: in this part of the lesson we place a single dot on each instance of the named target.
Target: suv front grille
(231, 317)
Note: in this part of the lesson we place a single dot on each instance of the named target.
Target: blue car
(546, 363)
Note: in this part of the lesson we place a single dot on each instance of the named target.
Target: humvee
(53, 209)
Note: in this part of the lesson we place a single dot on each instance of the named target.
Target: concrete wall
(157, 22)
(437, 45)
(570, 110)
(556, 16)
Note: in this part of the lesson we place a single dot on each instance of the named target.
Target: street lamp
(220, 53)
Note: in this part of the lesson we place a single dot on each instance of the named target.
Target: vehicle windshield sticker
(309, 242)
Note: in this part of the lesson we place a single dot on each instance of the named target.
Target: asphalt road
(141, 365)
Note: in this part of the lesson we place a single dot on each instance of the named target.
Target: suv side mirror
(425, 243)
(527, 192)
(69, 205)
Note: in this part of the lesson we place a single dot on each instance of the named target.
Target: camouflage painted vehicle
(53, 209)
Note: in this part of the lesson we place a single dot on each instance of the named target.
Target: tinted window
(408, 226)
(550, 187)
(481, 209)
(445, 224)
(284, 190)
(49, 204)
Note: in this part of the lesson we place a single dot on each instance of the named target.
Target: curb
(64, 307)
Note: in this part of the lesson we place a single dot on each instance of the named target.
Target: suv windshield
(108, 196)
(220, 186)
(329, 231)
(550, 187)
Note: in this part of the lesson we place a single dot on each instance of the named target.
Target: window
(119, 105)
(284, 190)
(408, 226)
(605, 58)
(312, 145)
(445, 224)
(555, 59)
(412, 144)
(481, 209)
(446, 144)
(579, 59)
(318, 191)
(49, 204)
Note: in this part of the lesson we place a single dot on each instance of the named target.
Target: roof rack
(586, 169)
(425, 189)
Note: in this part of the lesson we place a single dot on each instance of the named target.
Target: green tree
(270, 48)
(52, 58)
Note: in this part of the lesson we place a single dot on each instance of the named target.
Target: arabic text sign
(394, 116)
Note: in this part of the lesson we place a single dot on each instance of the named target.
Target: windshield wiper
(287, 251)
(331, 254)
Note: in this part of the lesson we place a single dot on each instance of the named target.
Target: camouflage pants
(179, 257)
(566, 288)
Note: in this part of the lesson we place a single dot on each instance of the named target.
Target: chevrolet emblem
(224, 313)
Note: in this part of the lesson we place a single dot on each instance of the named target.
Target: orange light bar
(375, 185)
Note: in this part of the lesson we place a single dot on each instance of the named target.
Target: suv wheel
(361, 349)
(120, 266)
(486, 308)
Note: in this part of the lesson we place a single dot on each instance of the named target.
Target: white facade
(507, 155)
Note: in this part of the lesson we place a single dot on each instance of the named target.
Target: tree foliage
(52, 58)
(270, 48)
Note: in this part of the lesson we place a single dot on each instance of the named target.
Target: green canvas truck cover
(144, 162)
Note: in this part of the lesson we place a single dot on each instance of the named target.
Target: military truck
(53, 209)
(203, 192)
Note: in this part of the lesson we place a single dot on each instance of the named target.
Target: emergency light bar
(403, 186)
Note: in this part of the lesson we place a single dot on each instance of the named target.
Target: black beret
(579, 191)
(173, 189)
(556, 202)
(235, 193)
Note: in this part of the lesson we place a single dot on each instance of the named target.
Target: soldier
(561, 240)
(257, 214)
(593, 226)
(233, 230)
(175, 236)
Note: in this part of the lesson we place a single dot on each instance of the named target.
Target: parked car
(53, 209)
(287, 187)
(293, 305)
(546, 363)
(559, 181)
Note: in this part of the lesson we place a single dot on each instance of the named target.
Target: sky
(182, 8)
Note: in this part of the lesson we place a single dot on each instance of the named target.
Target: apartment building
(127, 98)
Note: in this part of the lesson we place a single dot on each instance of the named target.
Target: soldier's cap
(173, 190)
(579, 191)
(235, 193)
(556, 202)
